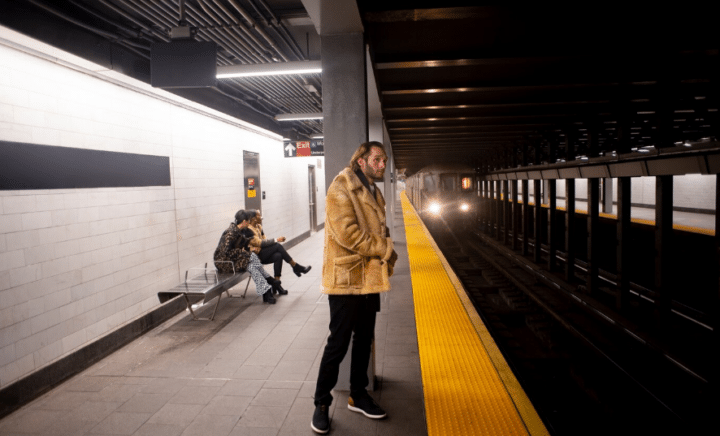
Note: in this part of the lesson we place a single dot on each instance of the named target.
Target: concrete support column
(345, 121)
(345, 127)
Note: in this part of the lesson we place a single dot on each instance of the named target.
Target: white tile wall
(78, 263)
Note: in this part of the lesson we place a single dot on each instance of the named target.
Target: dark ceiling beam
(571, 93)
(429, 14)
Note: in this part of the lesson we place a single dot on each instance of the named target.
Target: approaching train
(444, 193)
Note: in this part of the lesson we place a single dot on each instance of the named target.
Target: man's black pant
(348, 314)
(274, 254)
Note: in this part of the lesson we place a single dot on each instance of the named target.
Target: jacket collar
(355, 184)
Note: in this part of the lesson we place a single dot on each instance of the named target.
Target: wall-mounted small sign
(304, 148)
(251, 187)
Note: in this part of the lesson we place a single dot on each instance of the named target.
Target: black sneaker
(321, 421)
(367, 406)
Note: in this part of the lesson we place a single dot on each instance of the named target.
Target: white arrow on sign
(289, 149)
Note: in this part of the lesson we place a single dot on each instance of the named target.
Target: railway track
(584, 373)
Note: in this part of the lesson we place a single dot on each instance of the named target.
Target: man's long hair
(363, 152)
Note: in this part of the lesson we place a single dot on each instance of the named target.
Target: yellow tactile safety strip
(469, 387)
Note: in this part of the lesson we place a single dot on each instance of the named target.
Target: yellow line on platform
(469, 387)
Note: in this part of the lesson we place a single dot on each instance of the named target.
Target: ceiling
(118, 34)
(494, 87)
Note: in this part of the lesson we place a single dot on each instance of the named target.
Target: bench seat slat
(203, 287)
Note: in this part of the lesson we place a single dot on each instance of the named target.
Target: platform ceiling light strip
(299, 117)
(469, 387)
(277, 69)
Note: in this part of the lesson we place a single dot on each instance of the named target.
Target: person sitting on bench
(233, 254)
(271, 251)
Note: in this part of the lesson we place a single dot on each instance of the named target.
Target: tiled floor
(251, 371)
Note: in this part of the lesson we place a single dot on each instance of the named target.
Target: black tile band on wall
(32, 166)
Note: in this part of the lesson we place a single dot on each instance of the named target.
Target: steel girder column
(569, 213)
(623, 243)
(624, 208)
(552, 211)
(552, 224)
(509, 163)
(607, 195)
(593, 236)
(498, 210)
(537, 253)
(506, 211)
(492, 216)
(526, 206)
(569, 229)
(663, 247)
(487, 213)
(715, 298)
(516, 212)
(481, 205)
(526, 217)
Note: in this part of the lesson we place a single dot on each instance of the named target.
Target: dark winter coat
(232, 251)
(359, 256)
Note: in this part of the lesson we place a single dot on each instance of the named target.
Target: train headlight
(464, 207)
(434, 208)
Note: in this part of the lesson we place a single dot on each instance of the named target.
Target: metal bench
(204, 287)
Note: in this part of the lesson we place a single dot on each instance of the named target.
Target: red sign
(303, 148)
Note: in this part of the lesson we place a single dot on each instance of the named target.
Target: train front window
(429, 183)
(447, 182)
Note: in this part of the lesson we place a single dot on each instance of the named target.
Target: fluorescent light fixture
(317, 137)
(297, 117)
(276, 69)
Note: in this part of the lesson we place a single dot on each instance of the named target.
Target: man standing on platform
(357, 264)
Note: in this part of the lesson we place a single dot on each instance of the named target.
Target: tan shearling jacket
(358, 257)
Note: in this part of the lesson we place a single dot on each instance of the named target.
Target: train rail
(587, 370)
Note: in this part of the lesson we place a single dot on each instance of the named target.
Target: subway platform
(251, 371)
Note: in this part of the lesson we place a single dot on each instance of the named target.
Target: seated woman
(233, 254)
(270, 249)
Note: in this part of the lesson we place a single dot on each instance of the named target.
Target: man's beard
(373, 174)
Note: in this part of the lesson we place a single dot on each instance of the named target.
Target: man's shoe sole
(359, 410)
(318, 430)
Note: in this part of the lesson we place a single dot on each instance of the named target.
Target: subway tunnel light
(276, 69)
(299, 117)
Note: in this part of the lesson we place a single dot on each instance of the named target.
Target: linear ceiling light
(296, 117)
(300, 67)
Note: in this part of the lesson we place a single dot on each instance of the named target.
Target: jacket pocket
(349, 271)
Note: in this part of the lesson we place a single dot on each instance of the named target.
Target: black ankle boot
(299, 269)
(268, 298)
(279, 289)
(275, 283)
